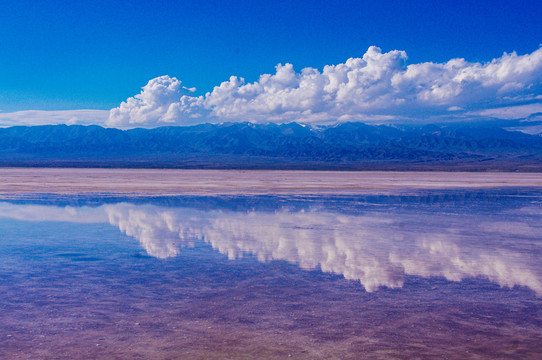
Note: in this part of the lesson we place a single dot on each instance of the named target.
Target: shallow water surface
(410, 274)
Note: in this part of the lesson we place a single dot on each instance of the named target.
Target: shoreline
(191, 181)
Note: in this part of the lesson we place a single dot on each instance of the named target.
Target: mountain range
(347, 146)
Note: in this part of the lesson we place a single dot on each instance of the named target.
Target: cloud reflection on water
(375, 248)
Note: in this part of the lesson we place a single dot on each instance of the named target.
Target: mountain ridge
(346, 146)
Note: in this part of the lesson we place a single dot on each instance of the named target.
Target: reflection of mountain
(378, 248)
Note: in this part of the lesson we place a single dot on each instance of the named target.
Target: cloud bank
(42, 117)
(379, 86)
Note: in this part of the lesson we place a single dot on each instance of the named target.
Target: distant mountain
(354, 146)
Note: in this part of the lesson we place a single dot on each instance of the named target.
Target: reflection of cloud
(378, 249)
(52, 213)
(374, 249)
(161, 231)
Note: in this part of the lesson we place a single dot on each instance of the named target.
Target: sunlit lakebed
(162, 181)
(419, 273)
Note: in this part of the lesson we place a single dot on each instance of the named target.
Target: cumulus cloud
(379, 86)
(162, 101)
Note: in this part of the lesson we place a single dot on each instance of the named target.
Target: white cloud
(41, 117)
(376, 87)
(163, 101)
(511, 112)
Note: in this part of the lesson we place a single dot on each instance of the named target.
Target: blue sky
(68, 55)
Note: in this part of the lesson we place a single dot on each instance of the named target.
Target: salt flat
(174, 181)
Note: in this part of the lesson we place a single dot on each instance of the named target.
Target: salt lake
(192, 265)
